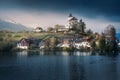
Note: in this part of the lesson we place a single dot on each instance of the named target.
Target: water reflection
(62, 53)
(77, 70)
(22, 53)
(82, 53)
(32, 65)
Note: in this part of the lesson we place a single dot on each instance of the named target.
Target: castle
(71, 21)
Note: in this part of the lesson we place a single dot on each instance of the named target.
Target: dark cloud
(110, 9)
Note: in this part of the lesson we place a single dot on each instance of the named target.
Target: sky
(97, 14)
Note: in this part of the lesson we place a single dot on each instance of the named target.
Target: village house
(42, 44)
(24, 43)
(67, 40)
(38, 29)
(77, 43)
(64, 42)
(82, 44)
(74, 41)
(62, 29)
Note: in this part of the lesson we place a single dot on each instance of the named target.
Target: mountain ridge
(15, 27)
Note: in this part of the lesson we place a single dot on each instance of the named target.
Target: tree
(78, 27)
(93, 45)
(110, 36)
(110, 32)
(57, 26)
(49, 29)
(113, 33)
(102, 43)
(53, 42)
(89, 32)
(81, 26)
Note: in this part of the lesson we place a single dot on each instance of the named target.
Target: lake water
(58, 66)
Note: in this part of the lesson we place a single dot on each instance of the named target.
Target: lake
(58, 66)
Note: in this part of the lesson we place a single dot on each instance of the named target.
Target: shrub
(17, 36)
(6, 46)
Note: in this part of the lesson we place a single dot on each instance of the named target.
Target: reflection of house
(38, 29)
(24, 43)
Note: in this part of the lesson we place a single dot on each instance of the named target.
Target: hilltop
(12, 26)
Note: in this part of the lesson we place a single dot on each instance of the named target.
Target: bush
(6, 46)
(66, 49)
(17, 36)
(1, 39)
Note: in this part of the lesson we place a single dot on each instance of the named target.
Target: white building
(62, 28)
(63, 45)
(23, 43)
(83, 44)
(71, 21)
(38, 29)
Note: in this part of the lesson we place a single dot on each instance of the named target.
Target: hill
(12, 26)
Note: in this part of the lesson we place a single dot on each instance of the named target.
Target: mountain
(12, 26)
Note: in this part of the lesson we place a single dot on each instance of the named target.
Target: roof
(74, 18)
(38, 28)
(70, 15)
(27, 40)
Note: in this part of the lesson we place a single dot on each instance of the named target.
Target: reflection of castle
(71, 22)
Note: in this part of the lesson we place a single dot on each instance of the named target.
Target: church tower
(70, 17)
(71, 21)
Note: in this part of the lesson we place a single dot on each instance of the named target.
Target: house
(86, 44)
(62, 28)
(77, 43)
(38, 29)
(42, 44)
(64, 43)
(24, 43)
(83, 44)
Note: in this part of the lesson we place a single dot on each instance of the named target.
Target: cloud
(46, 19)
(34, 19)
(98, 24)
(93, 8)
(97, 14)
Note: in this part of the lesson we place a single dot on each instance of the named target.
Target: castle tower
(70, 17)
(71, 21)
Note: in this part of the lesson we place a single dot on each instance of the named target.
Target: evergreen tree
(102, 43)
